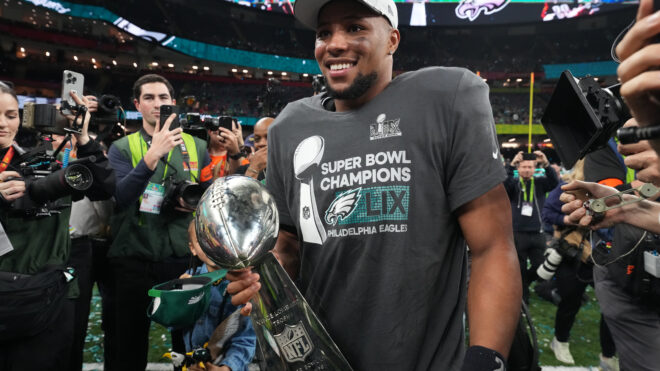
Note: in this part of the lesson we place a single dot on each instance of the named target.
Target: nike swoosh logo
(495, 154)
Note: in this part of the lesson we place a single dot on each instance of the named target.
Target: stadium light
(270, 72)
(75, 58)
(47, 54)
(518, 80)
(114, 62)
(512, 140)
(170, 65)
(135, 64)
(195, 68)
(22, 49)
(283, 73)
(93, 60)
(234, 70)
(245, 71)
(155, 64)
(206, 68)
(547, 140)
(305, 74)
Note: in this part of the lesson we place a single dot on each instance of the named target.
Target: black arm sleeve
(550, 181)
(103, 186)
(510, 183)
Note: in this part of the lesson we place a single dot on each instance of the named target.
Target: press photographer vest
(150, 236)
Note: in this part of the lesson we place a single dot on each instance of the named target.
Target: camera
(559, 248)
(46, 182)
(581, 116)
(188, 191)
(529, 157)
(215, 123)
(108, 110)
(40, 117)
(191, 121)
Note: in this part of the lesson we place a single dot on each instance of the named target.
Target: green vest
(37, 243)
(149, 236)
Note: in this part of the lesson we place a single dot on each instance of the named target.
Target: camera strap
(186, 159)
(144, 147)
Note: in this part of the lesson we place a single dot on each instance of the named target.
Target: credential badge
(306, 212)
(294, 343)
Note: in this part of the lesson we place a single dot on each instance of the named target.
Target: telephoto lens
(549, 266)
(75, 178)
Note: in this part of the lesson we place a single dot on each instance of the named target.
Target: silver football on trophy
(236, 222)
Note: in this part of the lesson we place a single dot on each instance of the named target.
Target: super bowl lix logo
(384, 128)
(294, 343)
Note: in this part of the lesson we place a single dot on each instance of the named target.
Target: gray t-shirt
(373, 193)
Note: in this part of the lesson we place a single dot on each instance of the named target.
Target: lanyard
(145, 148)
(7, 159)
(524, 190)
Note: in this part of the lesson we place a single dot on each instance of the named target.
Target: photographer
(224, 150)
(158, 184)
(527, 196)
(572, 274)
(37, 316)
(629, 296)
(259, 160)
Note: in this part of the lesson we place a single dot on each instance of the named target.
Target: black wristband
(623, 187)
(236, 156)
(478, 358)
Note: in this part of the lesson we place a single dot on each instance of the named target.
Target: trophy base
(289, 334)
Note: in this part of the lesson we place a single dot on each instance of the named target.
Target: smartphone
(529, 157)
(226, 122)
(165, 112)
(71, 81)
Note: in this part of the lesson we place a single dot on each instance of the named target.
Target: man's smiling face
(353, 50)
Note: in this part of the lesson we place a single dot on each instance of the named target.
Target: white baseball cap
(307, 11)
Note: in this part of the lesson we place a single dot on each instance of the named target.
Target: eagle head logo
(342, 206)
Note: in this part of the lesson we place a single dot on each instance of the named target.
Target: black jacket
(542, 185)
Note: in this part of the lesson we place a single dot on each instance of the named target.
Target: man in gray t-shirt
(379, 185)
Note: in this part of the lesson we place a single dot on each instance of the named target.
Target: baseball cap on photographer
(307, 11)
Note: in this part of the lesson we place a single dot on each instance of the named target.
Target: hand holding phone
(164, 138)
(165, 111)
(71, 82)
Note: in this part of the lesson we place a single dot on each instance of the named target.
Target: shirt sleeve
(241, 346)
(474, 166)
(131, 182)
(206, 174)
(103, 186)
(549, 181)
(275, 177)
(552, 208)
(604, 166)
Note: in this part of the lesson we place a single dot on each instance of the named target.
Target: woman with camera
(36, 320)
(568, 264)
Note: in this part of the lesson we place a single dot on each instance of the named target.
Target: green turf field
(584, 335)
